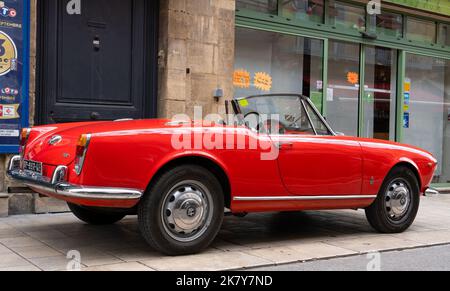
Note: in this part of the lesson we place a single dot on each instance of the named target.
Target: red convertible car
(277, 154)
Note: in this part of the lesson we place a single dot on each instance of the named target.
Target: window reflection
(310, 10)
(265, 6)
(421, 30)
(344, 15)
(343, 87)
(390, 24)
(444, 34)
(427, 110)
(268, 62)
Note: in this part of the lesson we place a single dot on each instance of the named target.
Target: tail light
(82, 147)
(24, 135)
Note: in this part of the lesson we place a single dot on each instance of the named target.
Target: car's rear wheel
(182, 211)
(396, 206)
(95, 216)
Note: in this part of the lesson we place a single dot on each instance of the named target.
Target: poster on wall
(14, 72)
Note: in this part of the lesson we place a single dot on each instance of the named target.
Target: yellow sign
(241, 78)
(407, 86)
(8, 54)
(353, 78)
(10, 111)
(263, 81)
(243, 103)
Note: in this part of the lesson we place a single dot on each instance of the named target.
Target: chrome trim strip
(57, 175)
(63, 189)
(304, 198)
(12, 162)
(430, 192)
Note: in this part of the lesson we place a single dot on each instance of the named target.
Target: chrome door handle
(285, 145)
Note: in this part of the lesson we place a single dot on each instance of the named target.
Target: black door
(97, 60)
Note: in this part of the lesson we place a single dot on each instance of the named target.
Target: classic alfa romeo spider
(279, 154)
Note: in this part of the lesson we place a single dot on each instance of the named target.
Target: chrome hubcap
(398, 199)
(186, 212)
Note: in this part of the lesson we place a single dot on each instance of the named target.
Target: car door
(316, 162)
(320, 165)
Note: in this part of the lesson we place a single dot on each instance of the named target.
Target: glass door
(378, 97)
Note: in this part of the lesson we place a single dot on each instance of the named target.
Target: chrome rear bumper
(58, 188)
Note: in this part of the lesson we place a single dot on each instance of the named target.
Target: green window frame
(325, 31)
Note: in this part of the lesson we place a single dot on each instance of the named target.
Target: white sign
(74, 7)
(330, 94)
(9, 132)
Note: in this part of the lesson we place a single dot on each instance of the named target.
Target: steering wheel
(273, 126)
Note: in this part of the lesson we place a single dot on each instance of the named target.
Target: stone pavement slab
(41, 242)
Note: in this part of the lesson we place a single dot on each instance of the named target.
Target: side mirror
(340, 134)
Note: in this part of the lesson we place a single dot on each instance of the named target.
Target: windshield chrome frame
(302, 98)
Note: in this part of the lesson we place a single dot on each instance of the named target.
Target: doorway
(96, 60)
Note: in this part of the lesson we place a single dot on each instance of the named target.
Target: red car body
(311, 172)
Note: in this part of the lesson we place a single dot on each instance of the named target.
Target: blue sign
(407, 98)
(14, 72)
(406, 120)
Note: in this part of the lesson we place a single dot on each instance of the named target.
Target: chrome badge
(55, 140)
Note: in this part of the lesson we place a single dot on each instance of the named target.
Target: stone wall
(196, 55)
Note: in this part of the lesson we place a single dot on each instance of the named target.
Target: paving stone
(206, 262)
(54, 263)
(21, 204)
(12, 260)
(369, 244)
(91, 256)
(4, 205)
(38, 251)
(130, 266)
(4, 250)
(27, 268)
(19, 242)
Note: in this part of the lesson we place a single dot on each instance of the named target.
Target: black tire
(172, 188)
(382, 216)
(95, 216)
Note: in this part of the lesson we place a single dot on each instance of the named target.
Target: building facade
(374, 68)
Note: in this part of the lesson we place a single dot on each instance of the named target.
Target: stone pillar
(196, 55)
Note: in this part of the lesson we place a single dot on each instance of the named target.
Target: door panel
(319, 165)
(94, 64)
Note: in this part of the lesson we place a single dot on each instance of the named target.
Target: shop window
(421, 30)
(444, 34)
(343, 15)
(426, 110)
(306, 10)
(268, 62)
(265, 6)
(343, 87)
(390, 24)
(380, 90)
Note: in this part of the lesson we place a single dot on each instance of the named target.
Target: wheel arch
(208, 163)
(410, 165)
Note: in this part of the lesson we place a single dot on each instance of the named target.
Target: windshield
(281, 114)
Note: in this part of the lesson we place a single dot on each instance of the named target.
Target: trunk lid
(56, 144)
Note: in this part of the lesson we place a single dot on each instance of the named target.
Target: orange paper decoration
(263, 81)
(353, 78)
(241, 79)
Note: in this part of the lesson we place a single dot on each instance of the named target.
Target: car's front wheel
(182, 211)
(396, 206)
(95, 216)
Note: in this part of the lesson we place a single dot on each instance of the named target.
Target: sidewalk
(41, 242)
